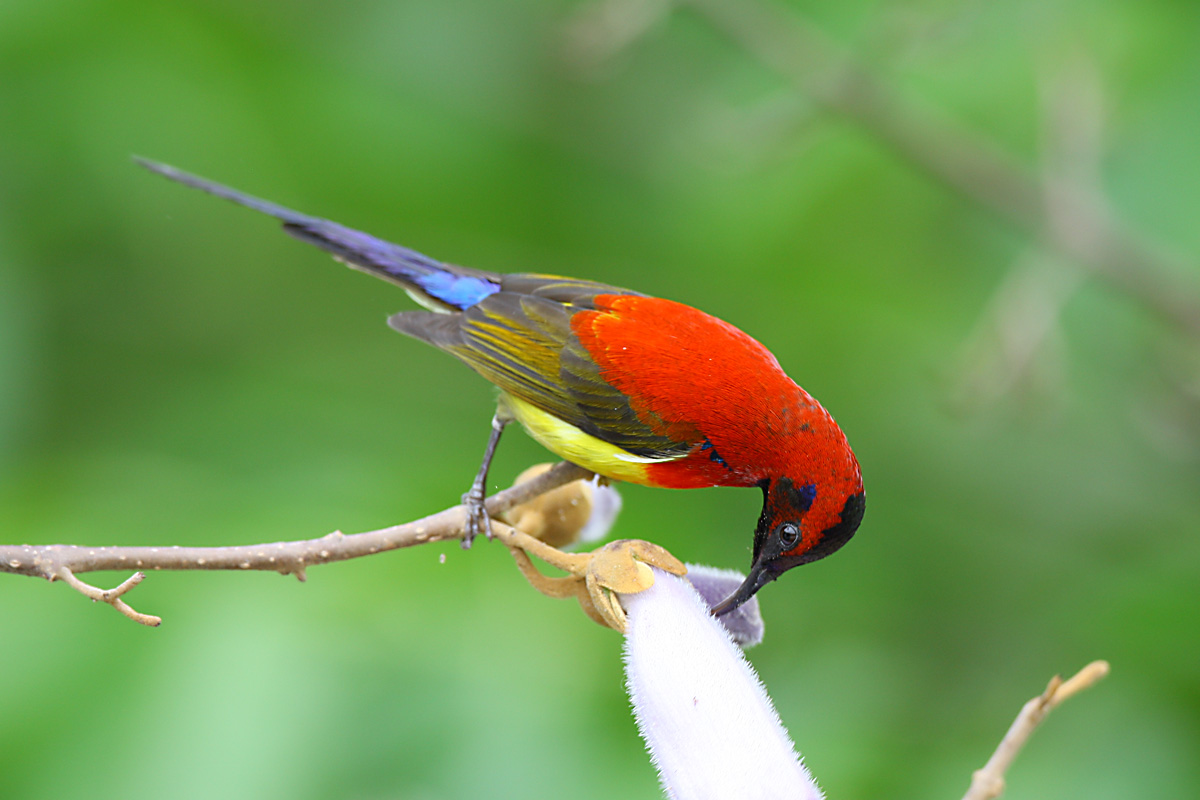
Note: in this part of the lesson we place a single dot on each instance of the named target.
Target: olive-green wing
(520, 339)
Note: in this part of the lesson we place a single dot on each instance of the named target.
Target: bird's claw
(478, 521)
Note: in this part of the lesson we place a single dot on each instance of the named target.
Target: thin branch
(64, 562)
(965, 161)
(112, 596)
(988, 783)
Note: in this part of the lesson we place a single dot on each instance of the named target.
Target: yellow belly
(566, 441)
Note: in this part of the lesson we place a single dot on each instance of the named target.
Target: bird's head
(800, 522)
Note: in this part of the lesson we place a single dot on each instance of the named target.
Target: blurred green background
(175, 371)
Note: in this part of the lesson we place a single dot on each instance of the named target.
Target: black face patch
(764, 521)
(833, 537)
(800, 498)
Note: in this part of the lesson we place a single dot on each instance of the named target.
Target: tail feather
(214, 188)
(440, 286)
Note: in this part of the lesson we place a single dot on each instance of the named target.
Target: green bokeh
(174, 371)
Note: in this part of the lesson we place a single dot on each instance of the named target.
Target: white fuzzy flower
(708, 723)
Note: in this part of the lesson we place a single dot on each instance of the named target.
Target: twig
(64, 562)
(112, 596)
(988, 783)
(963, 160)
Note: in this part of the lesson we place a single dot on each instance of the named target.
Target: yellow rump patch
(566, 441)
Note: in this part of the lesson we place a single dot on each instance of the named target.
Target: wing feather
(520, 339)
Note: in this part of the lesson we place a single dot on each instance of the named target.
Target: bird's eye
(789, 535)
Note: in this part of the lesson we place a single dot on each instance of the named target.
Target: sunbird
(631, 387)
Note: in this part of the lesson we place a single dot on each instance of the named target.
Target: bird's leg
(477, 516)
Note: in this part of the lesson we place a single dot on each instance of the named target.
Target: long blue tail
(440, 286)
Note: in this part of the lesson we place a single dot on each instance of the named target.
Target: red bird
(628, 386)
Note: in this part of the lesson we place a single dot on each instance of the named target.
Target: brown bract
(595, 579)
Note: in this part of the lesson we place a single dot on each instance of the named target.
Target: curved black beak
(760, 575)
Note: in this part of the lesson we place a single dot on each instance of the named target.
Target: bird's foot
(478, 521)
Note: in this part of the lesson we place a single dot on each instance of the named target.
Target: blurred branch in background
(1079, 227)
(1018, 332)
(1016, 347)
(63, 562)
(1061, 206)
(600, 31)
